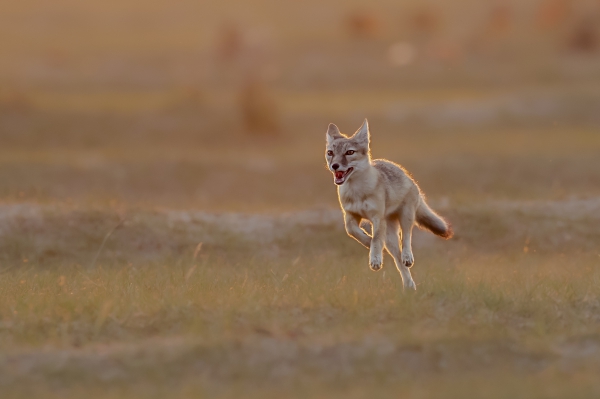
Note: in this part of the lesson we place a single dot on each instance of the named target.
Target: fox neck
(361, 177)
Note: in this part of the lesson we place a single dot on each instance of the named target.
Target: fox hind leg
(407, 222)
(392, 245)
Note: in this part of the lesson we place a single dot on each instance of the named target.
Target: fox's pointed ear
(362, 135)
(333, 132)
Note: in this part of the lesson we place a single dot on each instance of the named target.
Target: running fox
(383, 193)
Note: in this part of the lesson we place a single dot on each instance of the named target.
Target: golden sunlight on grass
(275, 301)
(316, 318)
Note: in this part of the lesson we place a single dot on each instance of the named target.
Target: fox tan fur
(382, 193)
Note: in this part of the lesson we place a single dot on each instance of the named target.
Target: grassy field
(284, 304)
(153, 245)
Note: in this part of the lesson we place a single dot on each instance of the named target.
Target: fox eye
(349, 152)
(329, 153)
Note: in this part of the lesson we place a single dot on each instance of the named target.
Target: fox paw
(376, 263)
(407, 259)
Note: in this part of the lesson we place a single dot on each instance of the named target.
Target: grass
(320, 323)
(454, 301)
(289, 307)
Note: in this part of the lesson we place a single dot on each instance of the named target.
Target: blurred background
(223, 105)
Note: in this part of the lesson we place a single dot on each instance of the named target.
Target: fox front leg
(354, 230)
(377, 244)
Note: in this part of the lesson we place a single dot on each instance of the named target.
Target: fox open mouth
(340, 176)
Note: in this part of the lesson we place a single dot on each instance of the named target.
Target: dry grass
(321, 325)
(285, 305)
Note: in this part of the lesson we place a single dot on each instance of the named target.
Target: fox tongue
(339, 175)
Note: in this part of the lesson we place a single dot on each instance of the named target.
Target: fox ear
(333, 132)
(362, 135)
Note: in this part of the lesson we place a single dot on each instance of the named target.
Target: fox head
(347, 155)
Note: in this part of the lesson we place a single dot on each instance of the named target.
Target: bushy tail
(427, 219)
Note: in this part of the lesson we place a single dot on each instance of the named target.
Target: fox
(382, 193)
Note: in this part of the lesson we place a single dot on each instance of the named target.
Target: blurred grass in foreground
(317, 325)
(286, 305)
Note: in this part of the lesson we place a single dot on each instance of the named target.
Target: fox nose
(335, 166)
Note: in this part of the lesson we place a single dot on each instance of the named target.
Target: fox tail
(427, 219)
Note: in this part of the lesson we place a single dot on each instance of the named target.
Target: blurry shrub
(230, 43)
(12, 100)
(260, 113)
(425, 22)
(553, 13)
(363, 24)
(500, 20)
(584, 38)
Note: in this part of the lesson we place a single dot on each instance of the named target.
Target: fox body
(383, 193)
